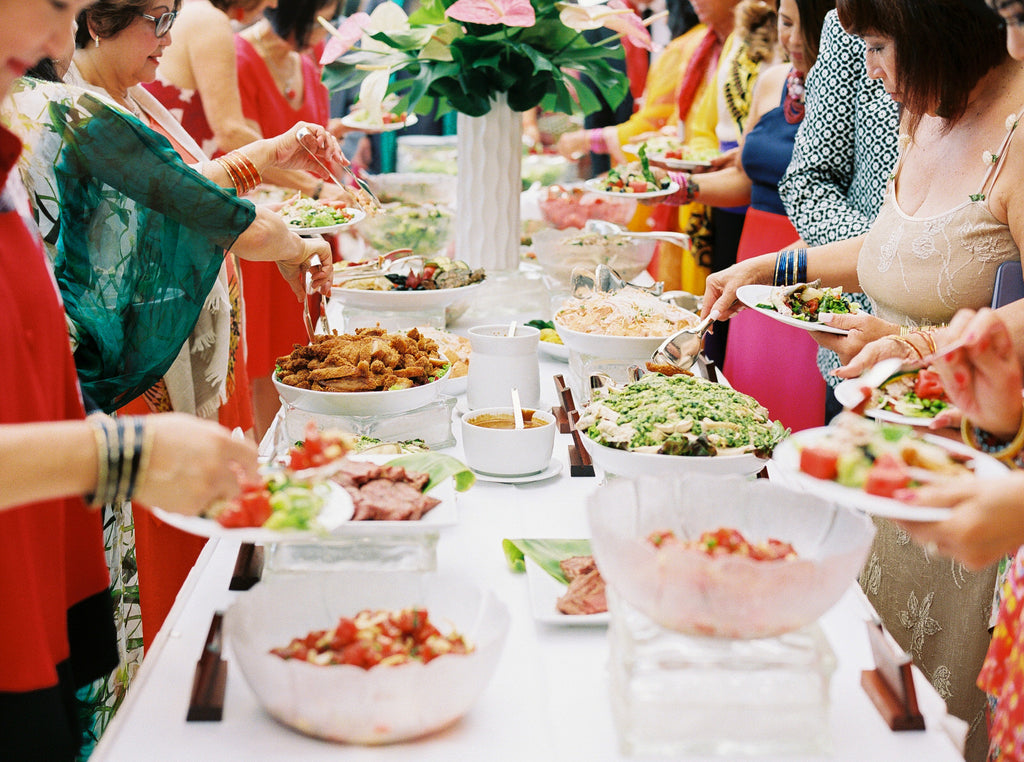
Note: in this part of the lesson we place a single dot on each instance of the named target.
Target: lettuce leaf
(439, 467)
(545, 553)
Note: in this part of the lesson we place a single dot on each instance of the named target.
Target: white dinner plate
(357, 215)
(685, 165)
(786, 468)
(594, 186)
(753, 295)
(554, 469)
(558, 352)
(354, 123)
(848, 394)
(401, 301)
(545, 591)
(337, 510)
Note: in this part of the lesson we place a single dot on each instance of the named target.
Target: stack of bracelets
(123, 446)
(790, 267)
(1011, 453)
(241, 170)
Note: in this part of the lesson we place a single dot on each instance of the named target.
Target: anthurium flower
(615, 14)
(507, 12)
(345, 37)
(387, 17)
(371, 94)
(439, 46)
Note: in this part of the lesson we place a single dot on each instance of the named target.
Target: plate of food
(359, 119)
(276, 509)
(861, 463)
(442, 281)
(566, 589)
(671, 153)
(401, 494)
(630, 183)
(310, 216)
(668, 425)
(911, 398)
(333, 374)
(800, 305)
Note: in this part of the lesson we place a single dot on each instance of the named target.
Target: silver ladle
(682, 347)
(603, 227)
(604, 279)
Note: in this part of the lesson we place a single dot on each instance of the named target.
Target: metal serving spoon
(401, 266)
(605, 280)
(603, 227)
(682, 347)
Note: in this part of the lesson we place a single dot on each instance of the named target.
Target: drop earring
(96, 40)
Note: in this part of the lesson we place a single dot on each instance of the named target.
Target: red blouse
(57, 629)
(273, 316)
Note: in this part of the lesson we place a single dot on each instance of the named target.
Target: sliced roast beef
(586, 595)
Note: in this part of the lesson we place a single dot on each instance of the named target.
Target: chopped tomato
(638, 186)
(819, 462)
(233, 517)
(886, 475)
(929, 385)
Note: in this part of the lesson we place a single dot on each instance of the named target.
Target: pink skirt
(774, 363)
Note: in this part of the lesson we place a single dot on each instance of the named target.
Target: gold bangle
(904, 330)
(906, 340)
(245, 183)
(233, 175)
(929, 339)
(1006, 453)
(245, 164)
(96, 499)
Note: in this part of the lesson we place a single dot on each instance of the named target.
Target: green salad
(311, 213)
(680, 415)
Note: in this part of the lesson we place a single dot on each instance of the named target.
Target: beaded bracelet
(981, 440)
(123, 446)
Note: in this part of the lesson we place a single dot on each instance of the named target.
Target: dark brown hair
(942, 48)
(812, 17)
(107, 18)
(227, 5)
(295, 19)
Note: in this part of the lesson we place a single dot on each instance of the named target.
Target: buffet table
(549, 697)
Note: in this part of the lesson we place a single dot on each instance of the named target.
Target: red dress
(187, 108)
(57, 628)
(273, 316)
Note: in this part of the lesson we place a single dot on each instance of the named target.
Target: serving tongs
(606, 228)
(603, 279)
(301, 136)
(383, 266)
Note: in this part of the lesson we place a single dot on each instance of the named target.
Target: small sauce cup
(494, 447)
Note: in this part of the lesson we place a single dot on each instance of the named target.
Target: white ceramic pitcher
(499, 362)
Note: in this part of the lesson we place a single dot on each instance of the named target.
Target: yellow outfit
(660, 108)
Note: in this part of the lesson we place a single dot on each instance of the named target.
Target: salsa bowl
(349, 704)
(730, 596)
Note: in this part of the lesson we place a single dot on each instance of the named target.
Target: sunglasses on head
(163, 22)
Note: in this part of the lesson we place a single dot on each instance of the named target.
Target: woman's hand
(983, 377)
(193, 464)
(321, 275)
(863, 330)
(288, 153)
(987, 521)
(720, 290)
(572, 145)
(875, 351)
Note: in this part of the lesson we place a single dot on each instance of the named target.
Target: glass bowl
(571, 205)
(425, 228)
(729, 596)
(346, 703)
(559, 251)
(414, 187)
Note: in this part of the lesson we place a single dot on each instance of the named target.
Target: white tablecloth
(549, 698)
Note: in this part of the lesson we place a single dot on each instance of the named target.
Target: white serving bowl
(636, 464)
(507, 452)
(560, 251)
(609, 347)
(346, 703)
(725, 596)
(361, 403)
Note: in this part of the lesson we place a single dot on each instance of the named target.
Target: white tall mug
(499, 362)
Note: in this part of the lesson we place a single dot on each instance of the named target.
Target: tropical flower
(462, 54)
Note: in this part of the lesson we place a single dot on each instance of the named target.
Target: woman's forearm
(45, 461)
(725, 188)
(835, 264)
(269, 238)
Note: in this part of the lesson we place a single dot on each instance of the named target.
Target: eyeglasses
(163, 22)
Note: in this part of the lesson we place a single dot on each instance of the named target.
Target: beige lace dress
(919, 271)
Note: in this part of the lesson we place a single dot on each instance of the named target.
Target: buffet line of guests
(891, 171)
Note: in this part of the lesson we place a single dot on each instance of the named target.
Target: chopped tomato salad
(727, 542)
(373, 638)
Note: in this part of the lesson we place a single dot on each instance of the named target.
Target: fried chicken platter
(369, 372)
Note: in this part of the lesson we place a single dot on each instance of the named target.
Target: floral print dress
(1003, 672)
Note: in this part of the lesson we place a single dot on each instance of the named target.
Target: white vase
(490, 152)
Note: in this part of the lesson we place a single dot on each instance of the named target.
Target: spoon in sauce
(517, 410)
(511, 329)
